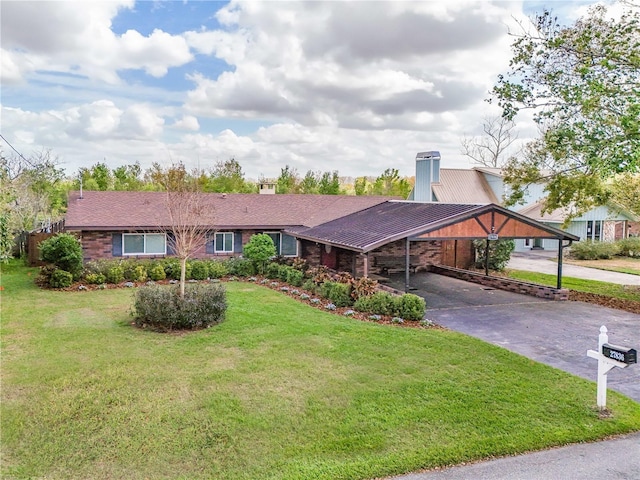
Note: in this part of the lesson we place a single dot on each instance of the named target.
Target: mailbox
(620, 354)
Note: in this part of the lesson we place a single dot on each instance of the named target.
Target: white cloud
(356, 87)
(359, 65)
(187, 122)
(76, 37)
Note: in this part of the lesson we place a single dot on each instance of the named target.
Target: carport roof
(373, 227)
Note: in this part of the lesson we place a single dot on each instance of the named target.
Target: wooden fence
(31, 241)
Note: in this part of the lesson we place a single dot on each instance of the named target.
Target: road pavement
(544, 261)
(617, 459)
(551, 332)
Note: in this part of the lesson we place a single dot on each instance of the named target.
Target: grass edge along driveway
(279, 390)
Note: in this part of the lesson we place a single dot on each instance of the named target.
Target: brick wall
(502, 283)
(310, 251)
(429, 253)
(97, 245)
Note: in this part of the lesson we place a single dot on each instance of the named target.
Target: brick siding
(502, 283)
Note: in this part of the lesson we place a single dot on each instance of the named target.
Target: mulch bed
(617, 303)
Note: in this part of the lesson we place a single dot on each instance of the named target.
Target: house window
(144, 244)
(527, 242)
(286, 245)
(223, 242)
(594, 229)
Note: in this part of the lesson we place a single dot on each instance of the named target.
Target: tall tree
(228, 177)
(127, 177)
(31, 190)
(309, 183)
(582, 83)
(491, 148)
(390, 183)
(288, 181)
(360, 185)
(625, 191)
(329, 183)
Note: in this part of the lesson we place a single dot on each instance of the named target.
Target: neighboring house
(486, 185)
(363, 235)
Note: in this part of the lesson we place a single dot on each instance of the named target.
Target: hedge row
(588, 250)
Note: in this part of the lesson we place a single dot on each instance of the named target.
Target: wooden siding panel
(480, 226)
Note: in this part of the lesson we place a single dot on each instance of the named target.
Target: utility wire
(14, 148)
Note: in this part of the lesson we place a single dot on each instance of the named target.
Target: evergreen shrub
(217, 269)
(629, 247)
(199, 270)
(161, 308)
(61, 279)
(64, 251)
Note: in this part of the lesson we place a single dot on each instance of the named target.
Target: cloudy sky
(356, 87)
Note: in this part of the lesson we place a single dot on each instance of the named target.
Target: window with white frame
(286, 245)
(223, 242)
(144, 244)
(594, 229)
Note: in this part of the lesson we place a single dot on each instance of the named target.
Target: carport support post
(486, 259)
(407, 264)
(560, 247)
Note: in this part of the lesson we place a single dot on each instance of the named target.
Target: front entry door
(328, 257)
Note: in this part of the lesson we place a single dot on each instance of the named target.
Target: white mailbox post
(609, 356)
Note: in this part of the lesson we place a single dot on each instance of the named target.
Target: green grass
(577, 284)
(279, 390)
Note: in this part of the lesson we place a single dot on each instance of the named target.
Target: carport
(406, 223)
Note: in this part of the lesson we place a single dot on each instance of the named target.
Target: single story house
(363, 235)
(133, 224)
(486, 185)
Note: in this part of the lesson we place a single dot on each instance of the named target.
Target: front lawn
(279, 390)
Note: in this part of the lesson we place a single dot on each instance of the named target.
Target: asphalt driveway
(551, 332)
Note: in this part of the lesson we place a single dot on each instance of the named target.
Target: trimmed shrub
(115, 274)
(309, 285)
(161, 308)
(411, 307)
(272, 270)
(363, 304)
(64, 251)
(629, 247)
(61, 279)
(259, 249)
(95, 278)
(199, 270)
(100, 266)
(139, 274)
(340, 294)
(157, 273)
(242, 267)
(499, 253)
(172, 269)
(382, 303)
(283, 272)
(217, 269)
(295, 277)
(588, 250)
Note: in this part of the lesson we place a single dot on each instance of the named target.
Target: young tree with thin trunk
(190, 218)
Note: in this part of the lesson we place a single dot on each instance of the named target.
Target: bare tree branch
(490, 149)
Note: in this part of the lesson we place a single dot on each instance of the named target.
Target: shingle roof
(463, 186)
(145, 210)
(368, 229)
(383, 223)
